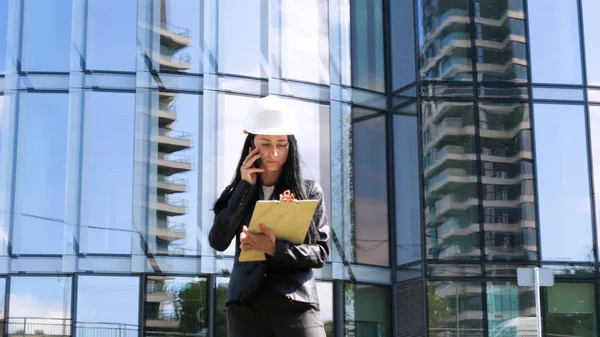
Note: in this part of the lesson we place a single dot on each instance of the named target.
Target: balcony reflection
(175, 306)
(452, 197)
(500, 43)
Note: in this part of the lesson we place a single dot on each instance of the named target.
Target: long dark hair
(290, 179)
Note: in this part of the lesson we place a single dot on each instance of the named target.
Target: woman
(276, 297)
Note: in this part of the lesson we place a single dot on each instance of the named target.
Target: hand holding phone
(248, 170)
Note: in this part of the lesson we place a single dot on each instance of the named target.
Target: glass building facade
(455, 140)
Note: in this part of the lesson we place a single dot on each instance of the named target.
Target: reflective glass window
(249, 39)
(444, 40)
(305, 40)
(407, 189)
(591, 29)
(510, 309)
(371, 236)
(313, 141)
(175, 305)
(46, 43)
(107, 172)
(111, 35)
(366, 27)
(563, 183)
(39, 221)
(450, 180)
(325, 291)
(572, 315)
(173, 223)
(181, 29)
(2, 301)
(221, 310)
(402, 32)
(367, 310)
(39, 306)
(455, 309)
(594, 122)
(108, 305)
(3, 34)
(554, 23)
(507, 181)
(501, 42)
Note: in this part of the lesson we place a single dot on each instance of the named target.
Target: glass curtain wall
(121, 125)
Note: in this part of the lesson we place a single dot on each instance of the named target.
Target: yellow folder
(288, 220)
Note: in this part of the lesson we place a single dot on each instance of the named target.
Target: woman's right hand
(248, 171)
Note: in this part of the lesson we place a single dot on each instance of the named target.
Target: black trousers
(267, 314)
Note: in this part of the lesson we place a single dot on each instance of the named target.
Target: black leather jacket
(289, 271)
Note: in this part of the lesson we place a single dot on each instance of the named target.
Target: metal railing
(173, 201)
(172, 180)
(171, 106)
(35, 326)
(176, 227)
(175, 29)
(179, 58)
(163, 315)
(175, 134)
(176, 158)
(106, 330)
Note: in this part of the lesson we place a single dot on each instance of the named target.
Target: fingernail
(262, 226)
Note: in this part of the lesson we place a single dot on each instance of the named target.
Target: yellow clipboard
(288, 220)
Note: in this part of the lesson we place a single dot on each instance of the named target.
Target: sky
(109, 121)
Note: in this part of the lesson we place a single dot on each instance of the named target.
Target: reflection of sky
(406, 169)
(370, 191)
(54, 302)
(3, 25)
(554, 36)
(38, 39)
(563, 185)
(108, 299)
(41, 173)
(591, 25)
(111, 43)
(595, 148)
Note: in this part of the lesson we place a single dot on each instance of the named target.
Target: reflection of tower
(161, 308)
(172, 41)
(451, 145)
(499, 40)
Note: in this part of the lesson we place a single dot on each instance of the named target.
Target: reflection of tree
(192, 307)
(328, 328)
(221, 297)
(439, 309)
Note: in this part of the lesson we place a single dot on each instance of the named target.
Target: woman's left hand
(264, 242)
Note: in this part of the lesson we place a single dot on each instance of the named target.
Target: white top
(267, 191)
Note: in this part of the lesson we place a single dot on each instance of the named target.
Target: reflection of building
(160, 305)
(477, 164)
(169, 142)
(499, 40)
(458, 309)
(452, 180)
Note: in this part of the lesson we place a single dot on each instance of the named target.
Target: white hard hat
(270, 116)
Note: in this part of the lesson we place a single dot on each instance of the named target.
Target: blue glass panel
(41, 174)
(107, 173)
(46, 35)
(563, 183)
(111, 35)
